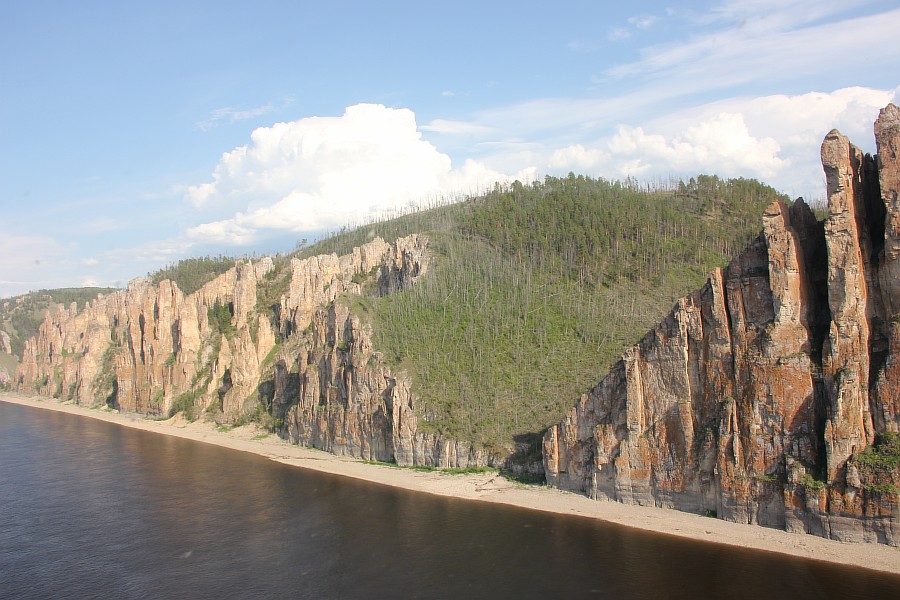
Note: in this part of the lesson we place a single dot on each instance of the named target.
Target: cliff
(770, 396)
(221, 352)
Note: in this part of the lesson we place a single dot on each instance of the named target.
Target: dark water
(89, 509)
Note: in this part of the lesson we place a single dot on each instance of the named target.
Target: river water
(93, 510)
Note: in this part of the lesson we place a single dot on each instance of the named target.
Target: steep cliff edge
(769, 396)
(221, 352)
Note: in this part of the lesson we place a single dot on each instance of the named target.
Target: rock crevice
(755, 397)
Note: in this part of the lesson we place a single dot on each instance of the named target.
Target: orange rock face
(753, 399)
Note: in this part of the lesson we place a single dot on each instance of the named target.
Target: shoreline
(492, 487)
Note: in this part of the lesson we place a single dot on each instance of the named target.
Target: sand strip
(491, 487)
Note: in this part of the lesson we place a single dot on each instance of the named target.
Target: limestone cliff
(153, 350)
(759, 397)
(332, 391)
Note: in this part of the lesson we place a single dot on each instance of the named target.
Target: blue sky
(135, 134)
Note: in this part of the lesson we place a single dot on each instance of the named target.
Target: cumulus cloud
(723, 143)
(322, 172)
(796, 123)
(774, 138)
(578, 158)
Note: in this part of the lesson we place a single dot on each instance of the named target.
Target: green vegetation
(525, 478)
(535, 291)
(185, 403)
(8, 364)
(809, 482)
(884, 488)
(431, 469)
(219, 316)
(884, 454)
(272, 286)
(191, 274)
(156, 401)
(104, 388)
(21, 316)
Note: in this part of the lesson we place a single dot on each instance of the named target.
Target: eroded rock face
(335, 393)
(754, 397)
(143, 348)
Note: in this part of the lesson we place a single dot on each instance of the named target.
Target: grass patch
(432, 469)
(884, 454)
(185, 403)
(525, 478)
(883, 488)
(810, 483)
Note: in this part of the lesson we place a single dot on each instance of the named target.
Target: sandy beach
(491, 487)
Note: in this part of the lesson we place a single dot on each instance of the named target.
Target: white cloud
(774, 13)
(774, 138)
(455, 127)
(643, 21)
(797, 123)
(322, 172)
(722, 145)
(229, 115)
(578, 159)
(779, 43)
(618, 33)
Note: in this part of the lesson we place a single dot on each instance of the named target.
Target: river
(92, 510)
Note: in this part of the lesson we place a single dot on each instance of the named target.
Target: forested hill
(538, 289)
(21, 315)
(531, 293)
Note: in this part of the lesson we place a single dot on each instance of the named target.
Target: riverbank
(491, 487)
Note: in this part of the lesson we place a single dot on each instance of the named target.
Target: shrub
(184, 403)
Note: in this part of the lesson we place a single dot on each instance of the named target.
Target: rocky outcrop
(758, 398)
(306, 360)
(4, 343)
(141, 348)
(335, 393)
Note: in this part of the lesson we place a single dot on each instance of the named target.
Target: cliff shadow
(526, 463)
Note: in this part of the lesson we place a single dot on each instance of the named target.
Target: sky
(137, 134)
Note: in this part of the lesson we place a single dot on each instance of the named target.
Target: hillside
(771, 395)
(21, 315)
(535, 289)
(531, 292)
(461, 336)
